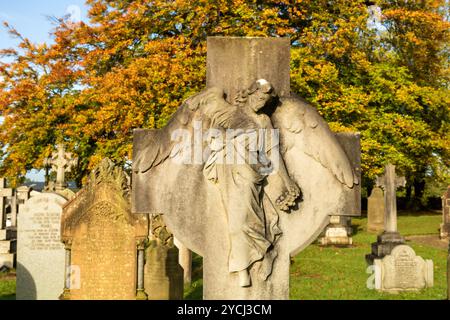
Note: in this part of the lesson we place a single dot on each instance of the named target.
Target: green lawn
(320, 273)
(329, 273)
(7, 287)
(340, 273)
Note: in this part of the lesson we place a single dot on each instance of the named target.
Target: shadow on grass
(195, 291)
(8, 297)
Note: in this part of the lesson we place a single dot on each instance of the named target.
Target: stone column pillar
(67, 271)
(140, 290)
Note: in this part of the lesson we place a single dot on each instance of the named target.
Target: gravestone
(7, 234)
(390, 238)
(375, 211)
(163, 276)
(4, 194)
(40, 253)
(445, 225)
(185, 261)
(402, 271)
(61, 162)
(104, 242)
(193, 201)
(339, 232)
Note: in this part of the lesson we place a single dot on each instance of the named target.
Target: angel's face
(259, 99)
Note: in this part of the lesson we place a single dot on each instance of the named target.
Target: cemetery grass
(331, 273)
(7, 285)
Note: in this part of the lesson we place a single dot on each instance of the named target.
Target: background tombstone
(445, 226)
(40, 253)
(402, 270)
(163, 276)
(375, 211)
(61, 162)
(5, 193)
(236, 63)
(185, 261)
(390, 238)
(7, 233)
(339, 231)
(104, 241)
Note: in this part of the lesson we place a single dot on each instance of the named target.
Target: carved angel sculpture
(228, 156)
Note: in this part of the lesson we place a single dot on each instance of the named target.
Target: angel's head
(256, 96)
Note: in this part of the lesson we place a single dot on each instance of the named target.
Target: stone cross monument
(390, 238)
(4, 193)
(61, 162)
(245, 218)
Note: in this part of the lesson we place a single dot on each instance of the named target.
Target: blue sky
(30, 18)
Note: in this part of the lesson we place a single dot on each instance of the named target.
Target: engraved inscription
(405, 271)
(43, 233)
(104, 249)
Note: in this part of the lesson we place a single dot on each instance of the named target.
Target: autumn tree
(134, 62)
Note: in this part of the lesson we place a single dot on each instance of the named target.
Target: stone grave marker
(163, 276)
(104, 242)
(208, 204)
(375, 211)
(445, 225)
(402, 270)
(40, 253)
(390, 237)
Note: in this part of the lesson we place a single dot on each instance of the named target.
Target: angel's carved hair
(241, 97)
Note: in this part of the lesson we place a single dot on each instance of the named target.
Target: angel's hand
(288, 198)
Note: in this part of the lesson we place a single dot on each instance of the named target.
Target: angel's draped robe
(238, 167)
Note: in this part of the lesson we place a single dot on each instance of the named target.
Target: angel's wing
(301, 124)
(158, 146)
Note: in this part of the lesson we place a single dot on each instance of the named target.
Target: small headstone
(445, 226)
(163, 274)
(402, 270)
(102, 240)
(40, 253)
(375, 211)
(338, 232)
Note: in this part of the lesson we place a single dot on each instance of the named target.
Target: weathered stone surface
(103, 237)
(338, 232)
(207, 214)
(40, 254)
(8, 246)
(7, 260)
(445, 225)
(375, 211)
(7, 234)
(402, 270)
(234, 63)
(163, 277)
(351, 143)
